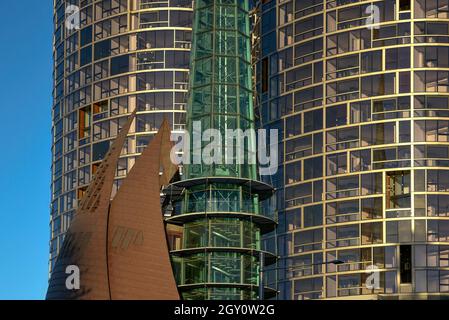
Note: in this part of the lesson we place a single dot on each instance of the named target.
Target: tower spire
(220, 210)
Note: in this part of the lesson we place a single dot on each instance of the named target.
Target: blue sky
(25, 104)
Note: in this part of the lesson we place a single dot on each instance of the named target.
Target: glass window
(376, 134)
(293, 126)
(346, 282)
(99, 150)
(420, 280)
(390, 257)
(437, 205)
(405, 231)
(371, 208)
(437, 180)
(102, 49)
(360, 160)
(392, 231)
(378, 85)
(372, 233)
(86, 36)
(313, 216)
(343, 183)
(308, 288)
(336, 164)
(420, 256)
(86, 56)
(317, 191)
(444, 256)
(226, 233)
(437, 230)
(342, 67)
(313, 120)
(293, 172)
(397, 58)
(398, 190)
(342, 138)
(336, 116)
(331, 286)
(195, 269)
(300, 194)
(404, 131)
(390, 282)
(420, 205)
(313, 168)
(196, 234)
(293, 219)
(349, 232)
(360, 111)
(298, 147)
(372, 61)
(404, 82)
(120, 65)
(432, 131)
(342, 211)
(308, 240)
(371, 183)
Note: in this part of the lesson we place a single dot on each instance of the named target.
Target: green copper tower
(219, 210)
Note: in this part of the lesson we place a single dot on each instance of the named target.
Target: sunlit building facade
(118, 56)
(359, 90)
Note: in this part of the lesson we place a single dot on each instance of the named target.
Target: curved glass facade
(220, 209)
(122, 55)
(221, 95)
(360, 92)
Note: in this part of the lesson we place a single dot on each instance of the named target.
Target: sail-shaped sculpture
(138, 256)
(119, 246)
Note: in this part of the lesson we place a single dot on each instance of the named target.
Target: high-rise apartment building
(360, 92)
(111, 57)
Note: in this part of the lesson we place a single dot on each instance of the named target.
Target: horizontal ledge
(269, 258)
(269, 292)
(264, 190)
(266, 224)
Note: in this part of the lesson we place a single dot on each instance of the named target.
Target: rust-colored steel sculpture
(139, 261)
(120, 247)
